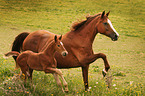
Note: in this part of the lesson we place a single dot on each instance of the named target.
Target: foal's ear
(55, 38)
(103, 13)
(108, 13)
(60, 37)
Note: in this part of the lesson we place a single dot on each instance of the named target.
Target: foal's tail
(12, 53)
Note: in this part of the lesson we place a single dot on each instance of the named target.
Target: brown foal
(42, 61)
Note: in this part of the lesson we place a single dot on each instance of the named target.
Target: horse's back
(36, 40)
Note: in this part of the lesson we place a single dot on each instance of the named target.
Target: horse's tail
(18, 42)
(12, 53)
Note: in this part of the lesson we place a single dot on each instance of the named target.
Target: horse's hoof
(104, 73)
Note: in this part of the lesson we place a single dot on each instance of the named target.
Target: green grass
(126, 56)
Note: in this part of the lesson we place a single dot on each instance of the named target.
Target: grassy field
(126, 56)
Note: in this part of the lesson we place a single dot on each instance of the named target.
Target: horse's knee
(107, 68)
(102, 55)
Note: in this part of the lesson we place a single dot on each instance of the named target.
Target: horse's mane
(78, 24)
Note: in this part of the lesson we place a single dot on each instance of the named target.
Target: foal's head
(104, 26)
(59, 46)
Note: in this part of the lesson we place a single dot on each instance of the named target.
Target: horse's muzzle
(114, 37)
(64, 53)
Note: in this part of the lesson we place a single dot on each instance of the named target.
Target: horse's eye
(105, 23)
(58, 45)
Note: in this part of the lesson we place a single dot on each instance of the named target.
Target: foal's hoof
(66, 91)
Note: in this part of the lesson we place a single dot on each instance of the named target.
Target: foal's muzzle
(64, 53)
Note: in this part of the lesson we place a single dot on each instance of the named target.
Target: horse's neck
(86, 34)
(49, 50)
(89, 30)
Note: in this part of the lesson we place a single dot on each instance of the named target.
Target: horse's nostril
(116, 36)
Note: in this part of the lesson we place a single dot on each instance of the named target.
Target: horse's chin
(114, 39)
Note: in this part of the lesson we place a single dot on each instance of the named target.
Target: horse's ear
(103, 13)
(60, 37)
(55, 38)
(108, 13)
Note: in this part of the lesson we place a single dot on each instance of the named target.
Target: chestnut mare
(42, 61)
(78, 42)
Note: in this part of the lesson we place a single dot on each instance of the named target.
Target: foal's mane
(78, 24)
(47, 44)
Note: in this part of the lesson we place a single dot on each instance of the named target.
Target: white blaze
(112, 27)
(61, 43)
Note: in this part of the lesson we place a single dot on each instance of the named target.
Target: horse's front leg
(103, 56)
(89, 60)
(94, 57)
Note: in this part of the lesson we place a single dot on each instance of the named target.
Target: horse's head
(104, 26)
(59, 46)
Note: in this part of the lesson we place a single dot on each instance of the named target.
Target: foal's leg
(58, 81)
(55, 74)
(25, 73)
(30, 72)
(52, 70)
(24, 69)
(64, 82)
